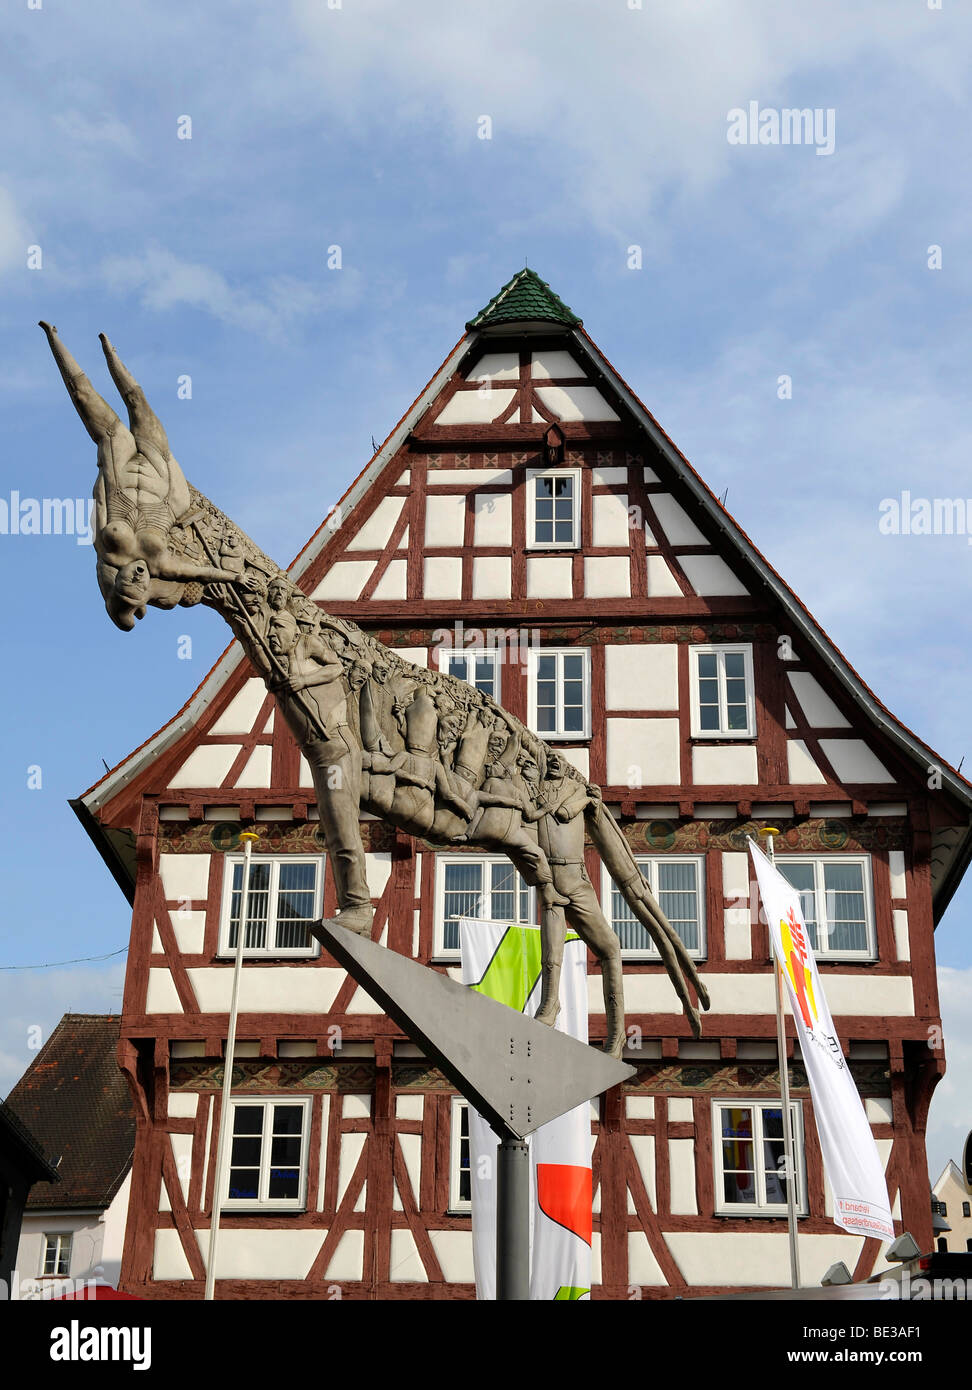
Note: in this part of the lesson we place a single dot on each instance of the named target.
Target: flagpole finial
(250, 835)
(768, 830)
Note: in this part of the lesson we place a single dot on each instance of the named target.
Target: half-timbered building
(528, 526)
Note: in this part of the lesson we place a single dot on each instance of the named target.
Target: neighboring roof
(953, 1171)
(524, 299)
(526, 293)
(76, 1101)
(19, 1144)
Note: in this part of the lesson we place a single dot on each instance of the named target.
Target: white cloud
(164, 281)
(103, 130)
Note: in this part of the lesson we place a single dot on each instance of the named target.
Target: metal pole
(248, 837)
(512, 1220)
(788, 1147)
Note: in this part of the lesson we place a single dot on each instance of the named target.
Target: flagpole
(769, 835)
(248, 837)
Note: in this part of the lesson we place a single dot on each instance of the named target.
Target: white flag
(502, 961)
(850, 1155)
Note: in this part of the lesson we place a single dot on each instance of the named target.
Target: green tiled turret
(524, 298)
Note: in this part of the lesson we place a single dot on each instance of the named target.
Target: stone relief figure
(421, 749)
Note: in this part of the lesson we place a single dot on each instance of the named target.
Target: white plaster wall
(206, 766)
(497, 366)
(406, 1264)
(409, 1107)
(491, 576)
(643, 1268)
(640, 1107)
(493, 518)
(724, 766)
(453, 1250)
(710, 575)
(576, 402)
(737, 933)
(609, 476)
(607, 576)
(579, 758)
(817, 706)
(610, 521)
(350, 1152)
(556, 363)
(675, 522)
(345, 579)
(284, 989)
(475, 477)
(896, 869)
(800, 766)
(443, 575)
(681, 1165)
(681, 1110)
(475, 407)
(902, 937)
(853, 761)
(735, 875)
(641, 677)
(256, 773)
(268, 1254)
(161, 996)
(643, 1147)
(182, 1105)
(445, 519)
(661, 582)
(376, 531)
(754, 1257)
(393, 584)
(649, 746)
(549, 576)
(239, 715)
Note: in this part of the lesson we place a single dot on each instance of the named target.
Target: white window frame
(761, 1207)
(440, 951)
(265, 1203)
(819, 861)
(531, 528)
(458, 1205)
(648, 866)
(722, 650)
(269, 952)
(471, 655)
(60, 1240)
(559, 735)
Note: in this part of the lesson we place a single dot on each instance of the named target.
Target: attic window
(553, 517)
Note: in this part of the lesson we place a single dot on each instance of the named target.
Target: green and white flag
(502, 961)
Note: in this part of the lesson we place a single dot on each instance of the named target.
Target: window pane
(738, 1167)
(284, 1182)
(800, 876)
(463, 897)
(288, 1119)
(544, 532)
(244, 1183)
(258, 905)
(632, 935)
(678, 896)
(845, 909)
(457, 667)
(544, 488)
(297, 891)
(502, 886)
(774, 1150)
(465, 1177)
(708, 664)
(735, 664)
(248, 1119)
(246, 1151)
(485, 675)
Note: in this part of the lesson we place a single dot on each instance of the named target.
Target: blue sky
(359, 127)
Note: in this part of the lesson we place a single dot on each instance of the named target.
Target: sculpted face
(530, 772)
(357, 676)
(380, 674)
(555, 765)
(282, 635)
(277, 595)
(133, 581)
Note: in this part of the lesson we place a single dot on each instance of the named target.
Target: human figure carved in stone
(424, 751)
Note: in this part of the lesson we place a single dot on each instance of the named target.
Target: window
(553, 510)
(460, 1173)
(966, 1209)
(723, 704)
(285, 894)
(748, 1155)
(478, 667)
(57, 1254)
(560, 693)
(268, 1157)
(942, 1245)
(679, 886)
(835, 895)
(487, 887)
